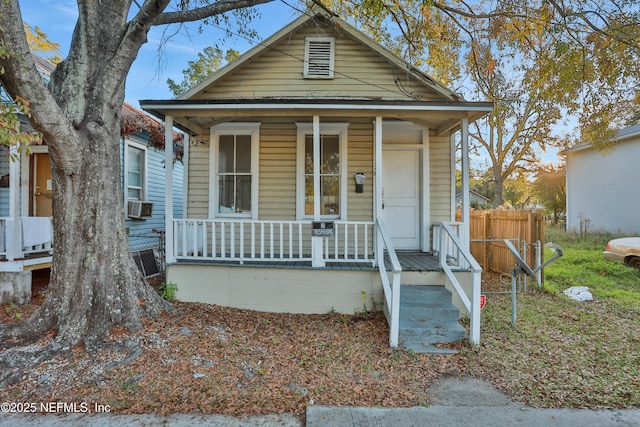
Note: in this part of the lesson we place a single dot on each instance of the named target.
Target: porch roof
(196, 116)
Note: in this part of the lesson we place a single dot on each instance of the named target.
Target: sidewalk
(449, 416)
(468, 402)
(147, 420)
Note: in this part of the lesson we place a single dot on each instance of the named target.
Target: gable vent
(318, 58)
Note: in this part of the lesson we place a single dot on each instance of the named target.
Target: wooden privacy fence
(489, 228)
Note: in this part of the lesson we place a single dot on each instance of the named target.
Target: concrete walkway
(468, 402)
(455, 402)
(448, 416)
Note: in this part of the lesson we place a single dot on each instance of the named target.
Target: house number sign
(322, 228)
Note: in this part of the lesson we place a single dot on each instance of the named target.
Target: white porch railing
(352, 242)
(273, 241)
(454, 256)
(391, 290)
(44, 236)
(25, 236)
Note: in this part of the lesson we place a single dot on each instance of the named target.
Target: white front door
(401, 197)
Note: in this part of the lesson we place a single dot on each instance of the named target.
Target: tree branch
(197, 14)
(21, 78)
(470, 13)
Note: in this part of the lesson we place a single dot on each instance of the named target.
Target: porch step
(428, 317)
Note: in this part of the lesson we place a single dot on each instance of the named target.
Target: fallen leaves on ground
(561, 352)
(211, 359)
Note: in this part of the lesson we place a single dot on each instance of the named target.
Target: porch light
(360, 178)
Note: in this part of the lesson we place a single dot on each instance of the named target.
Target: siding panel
(141, 234)
(440, 179)
(360, 159)
(277, 170)
(278, 71)
(198, 182)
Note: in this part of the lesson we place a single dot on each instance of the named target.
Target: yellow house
(320, 177)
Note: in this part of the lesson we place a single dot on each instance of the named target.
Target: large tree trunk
(95, 282)
(498, 190)
(95, 285)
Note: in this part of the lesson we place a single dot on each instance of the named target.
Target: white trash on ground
(578, 293)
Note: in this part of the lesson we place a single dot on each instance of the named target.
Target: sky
(155, 64)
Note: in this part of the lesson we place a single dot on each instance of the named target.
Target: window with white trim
(331, 172)
(319, 54)
(135, 164)
(234, 170)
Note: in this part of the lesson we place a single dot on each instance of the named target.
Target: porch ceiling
(196, 117)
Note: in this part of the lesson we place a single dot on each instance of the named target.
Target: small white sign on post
(322, 229)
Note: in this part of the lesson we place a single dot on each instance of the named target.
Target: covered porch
(268, 275)
(288, 245)
(304, 244)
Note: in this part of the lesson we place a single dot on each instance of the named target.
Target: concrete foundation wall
(278, 289)
(15, 287)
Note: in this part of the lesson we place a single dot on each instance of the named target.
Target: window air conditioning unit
(139, 209)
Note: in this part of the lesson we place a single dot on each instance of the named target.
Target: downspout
(123, 176)
(14, 228)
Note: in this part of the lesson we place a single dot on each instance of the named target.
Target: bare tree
(539, 61)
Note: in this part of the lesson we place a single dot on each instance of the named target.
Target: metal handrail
(391, 290)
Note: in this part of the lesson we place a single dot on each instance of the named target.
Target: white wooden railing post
(395, 310)
(474, 326)
(3, 239)
(14, 239)
(391, 290)
(14, 223)
(168, 189)
(317, 252)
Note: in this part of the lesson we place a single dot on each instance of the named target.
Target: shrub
(168, 291)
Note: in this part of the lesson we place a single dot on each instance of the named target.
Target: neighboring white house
(602, 187)
(475, 199)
